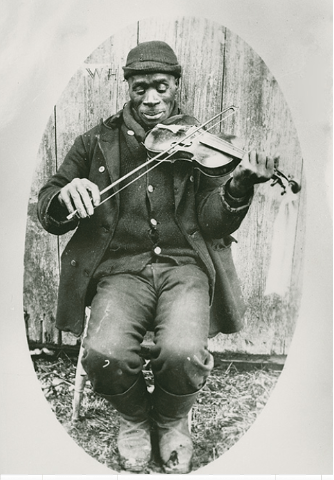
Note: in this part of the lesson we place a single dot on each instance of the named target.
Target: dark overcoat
(202, 212)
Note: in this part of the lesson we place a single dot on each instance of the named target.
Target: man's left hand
(254, 168)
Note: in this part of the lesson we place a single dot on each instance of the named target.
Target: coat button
(150, 188)
(153, 222)
(157, 250)
(130, 132)
(191, 178)
(73, 263)
(101, 169)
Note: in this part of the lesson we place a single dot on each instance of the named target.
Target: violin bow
(170, 151)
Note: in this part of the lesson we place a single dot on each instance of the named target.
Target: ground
(226, 407)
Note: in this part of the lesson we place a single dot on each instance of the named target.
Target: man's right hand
(81, 195)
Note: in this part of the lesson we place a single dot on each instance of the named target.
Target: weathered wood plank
(41, 254)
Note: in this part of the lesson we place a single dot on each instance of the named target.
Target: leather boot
(170, 413)
(134, 438)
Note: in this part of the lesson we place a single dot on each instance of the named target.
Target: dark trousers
(173, 301)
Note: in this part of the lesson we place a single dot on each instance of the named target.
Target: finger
(269, 167)
(261, 159)
(95, 192)
(85, 199)
(77, 192)
(276, 160)
(253, 157)
(65, 198)
(269, 162)
(76, 199)
(245, 160)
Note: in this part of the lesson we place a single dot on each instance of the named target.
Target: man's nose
(151, 98)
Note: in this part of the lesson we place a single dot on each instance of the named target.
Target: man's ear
(177, 83)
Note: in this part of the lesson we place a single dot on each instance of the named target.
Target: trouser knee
(182, 371)
(111, 373)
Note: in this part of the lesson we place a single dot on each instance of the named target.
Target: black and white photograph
(167, 229)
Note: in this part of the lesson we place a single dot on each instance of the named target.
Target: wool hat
(151, 57)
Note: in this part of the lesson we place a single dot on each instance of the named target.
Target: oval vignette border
(79, 464)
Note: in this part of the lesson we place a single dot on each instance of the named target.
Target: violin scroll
(285, 181)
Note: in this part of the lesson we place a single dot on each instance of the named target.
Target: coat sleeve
(219, 214)
(50, 212)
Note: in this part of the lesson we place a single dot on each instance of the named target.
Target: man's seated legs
(175, 302)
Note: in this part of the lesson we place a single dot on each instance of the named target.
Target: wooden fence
(219, 69)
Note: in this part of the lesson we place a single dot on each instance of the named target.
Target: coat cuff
(235, 204)
(55, 213)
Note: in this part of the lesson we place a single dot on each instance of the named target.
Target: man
(156, 256)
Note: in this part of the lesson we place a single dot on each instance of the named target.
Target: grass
(225, 409)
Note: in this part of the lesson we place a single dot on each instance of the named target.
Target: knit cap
(151, 57)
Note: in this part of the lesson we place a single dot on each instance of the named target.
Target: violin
(212, 155)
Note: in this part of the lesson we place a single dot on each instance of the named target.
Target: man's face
(153, 96)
